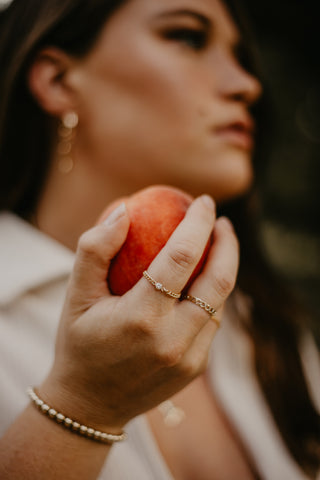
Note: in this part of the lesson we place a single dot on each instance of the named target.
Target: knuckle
(224, 284)
(87, 243)
(194, 365)
(143, 328)
(184, 255)
(91, 247)
(171, 355)
(189, 368)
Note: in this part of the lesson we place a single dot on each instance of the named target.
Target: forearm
(36, 447)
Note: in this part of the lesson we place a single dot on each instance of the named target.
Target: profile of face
(162, 98)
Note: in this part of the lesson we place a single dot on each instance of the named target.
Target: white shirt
(34, 272)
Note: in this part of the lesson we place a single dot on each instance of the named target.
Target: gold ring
(158, 286)
(202, 304)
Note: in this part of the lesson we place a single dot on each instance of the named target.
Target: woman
(147, 92)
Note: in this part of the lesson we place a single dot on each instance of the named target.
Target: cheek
(148, 112)
(123, 114)
(147, 86)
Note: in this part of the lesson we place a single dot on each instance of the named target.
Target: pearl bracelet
(76, 427)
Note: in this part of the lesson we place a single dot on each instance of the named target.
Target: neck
(71, 203)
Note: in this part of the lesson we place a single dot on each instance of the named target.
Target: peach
(154, 214)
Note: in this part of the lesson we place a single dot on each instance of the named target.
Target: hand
(117, 357)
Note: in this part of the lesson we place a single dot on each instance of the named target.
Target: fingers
(195, 360)
(175, 263)
(218, 278)
(213, 286)
(195, 326)
(96, 248)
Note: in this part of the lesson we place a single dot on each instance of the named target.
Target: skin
(194, 83)
(168, 100)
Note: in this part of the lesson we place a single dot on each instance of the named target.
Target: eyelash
(192, 38)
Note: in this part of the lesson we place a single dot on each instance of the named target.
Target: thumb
(96, 248)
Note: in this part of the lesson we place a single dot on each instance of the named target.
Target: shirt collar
(28, 258)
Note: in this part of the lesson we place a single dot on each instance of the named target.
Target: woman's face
(162, 98)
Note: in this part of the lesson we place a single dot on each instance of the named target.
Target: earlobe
(46, 80)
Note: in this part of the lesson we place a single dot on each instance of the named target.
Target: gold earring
(66, 135)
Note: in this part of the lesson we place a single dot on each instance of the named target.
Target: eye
(192, 38)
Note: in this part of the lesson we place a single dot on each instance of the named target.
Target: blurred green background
(288, 43)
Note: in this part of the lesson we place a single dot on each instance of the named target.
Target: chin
(232, 178)
(238, 177)
(239, 187)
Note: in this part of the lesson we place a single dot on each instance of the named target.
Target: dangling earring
(66, 135)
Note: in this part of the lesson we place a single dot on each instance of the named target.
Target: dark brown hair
(25, 142)
(25, 130)
(278, 319)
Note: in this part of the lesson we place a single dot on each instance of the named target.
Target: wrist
(79, 405)
(74, 426)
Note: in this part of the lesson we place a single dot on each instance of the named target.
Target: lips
(239, 133)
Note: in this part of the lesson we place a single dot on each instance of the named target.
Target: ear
(47, 81)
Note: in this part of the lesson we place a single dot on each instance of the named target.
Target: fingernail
(226, 222)
(115, 214)
(208, 201)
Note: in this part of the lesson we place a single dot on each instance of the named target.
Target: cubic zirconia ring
(202, 304)
(158, 286)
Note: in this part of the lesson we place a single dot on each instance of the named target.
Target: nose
(237, 84)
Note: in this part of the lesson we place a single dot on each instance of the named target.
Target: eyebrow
(186, 12)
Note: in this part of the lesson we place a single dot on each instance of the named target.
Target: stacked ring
(196, 300)
(204, 305)
(158, 286)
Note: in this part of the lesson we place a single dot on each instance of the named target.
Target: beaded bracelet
(76, 427)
